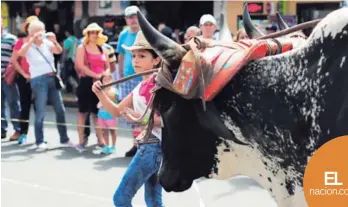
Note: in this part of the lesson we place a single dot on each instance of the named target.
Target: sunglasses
(93, 32)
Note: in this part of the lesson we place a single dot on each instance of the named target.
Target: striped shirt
(110, 52)
(7, 43)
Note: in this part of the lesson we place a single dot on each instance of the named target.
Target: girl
(106, 121)
(146, 162)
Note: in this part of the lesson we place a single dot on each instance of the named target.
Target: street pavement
(63, 177)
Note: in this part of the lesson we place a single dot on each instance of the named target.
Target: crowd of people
(29, 73)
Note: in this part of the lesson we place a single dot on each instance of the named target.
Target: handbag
(9, 74)
(57, 79)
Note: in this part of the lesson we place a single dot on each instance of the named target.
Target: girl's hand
(129, 114)
(51, 36)
(26, 76)
(96, 88)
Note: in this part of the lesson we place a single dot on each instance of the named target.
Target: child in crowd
(145, 164)
(106, 121)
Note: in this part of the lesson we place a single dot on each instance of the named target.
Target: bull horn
(250, 29)
(281, 23)
(225, 33)
(170, 51)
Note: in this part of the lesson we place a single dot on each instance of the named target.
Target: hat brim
(23, 27)
(85, 31)
(101, 39)
(135, 47)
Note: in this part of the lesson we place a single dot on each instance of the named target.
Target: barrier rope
(69, 124)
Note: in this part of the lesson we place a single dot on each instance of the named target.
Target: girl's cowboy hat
(140, 43)
(94, 27)
(27, 22)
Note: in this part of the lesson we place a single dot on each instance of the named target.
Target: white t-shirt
(140, 104)
(37, 64)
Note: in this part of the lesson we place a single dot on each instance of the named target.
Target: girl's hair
(154, 55)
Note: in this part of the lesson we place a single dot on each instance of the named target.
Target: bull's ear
(211, 121)
(281, 23)
(250, 29)
(170, 51)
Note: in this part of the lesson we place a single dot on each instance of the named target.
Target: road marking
(45, 188)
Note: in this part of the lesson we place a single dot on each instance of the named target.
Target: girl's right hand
(96, 88)
(26, 76)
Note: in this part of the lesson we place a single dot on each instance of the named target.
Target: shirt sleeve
(67, 44)
(120, 42)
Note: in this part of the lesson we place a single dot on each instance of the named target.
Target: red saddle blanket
(223, 62)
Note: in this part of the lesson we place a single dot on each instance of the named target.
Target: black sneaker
(131, 152)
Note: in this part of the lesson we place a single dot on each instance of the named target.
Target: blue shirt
(126, 38)
(104, 114)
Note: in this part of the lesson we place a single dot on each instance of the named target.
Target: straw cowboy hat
(140, 43)
(27, 21)
(94, 27)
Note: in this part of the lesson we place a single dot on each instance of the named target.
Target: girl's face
(93, 36)
(143, 60)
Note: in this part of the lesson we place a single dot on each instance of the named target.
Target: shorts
(107, 123)
(87, 100)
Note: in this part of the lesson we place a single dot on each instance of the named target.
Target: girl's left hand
(128, 113)
(51, 36)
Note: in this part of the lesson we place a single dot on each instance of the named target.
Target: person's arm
(120, 65)
(24, 49)
(127, 111)
(55, 47)
(17, 65)
(108, 104)
(107, 64)
(80, 57)
(120, 50)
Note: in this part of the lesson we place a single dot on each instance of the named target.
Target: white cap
(131, 10)
(207, 18)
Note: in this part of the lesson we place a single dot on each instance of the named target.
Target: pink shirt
(23, 61)
(96, 62)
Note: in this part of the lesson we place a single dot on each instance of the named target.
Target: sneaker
(104, 150)
(112, 149)
(68, 144)
(99, 146)
(41, 147)
(22, 139)
(80, 148)
(3, 135)
(15, 136)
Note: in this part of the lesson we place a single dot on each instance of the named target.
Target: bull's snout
(173, 180)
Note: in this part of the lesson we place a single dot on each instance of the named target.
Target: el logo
(326, 175)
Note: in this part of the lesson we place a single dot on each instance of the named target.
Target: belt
(51, 74)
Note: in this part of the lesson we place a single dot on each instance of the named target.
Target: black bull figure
(283, 107)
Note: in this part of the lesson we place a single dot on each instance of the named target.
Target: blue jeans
(43, 87)
(10, 94)
(143, 169)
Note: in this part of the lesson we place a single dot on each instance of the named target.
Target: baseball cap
(207, 18)
(131, 10)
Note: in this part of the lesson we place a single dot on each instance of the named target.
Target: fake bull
(266, 119)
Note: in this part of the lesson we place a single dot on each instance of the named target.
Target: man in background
(9, 93)
(127, 37)
(207, 24)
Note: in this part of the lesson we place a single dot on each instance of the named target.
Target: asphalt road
(63, 177)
